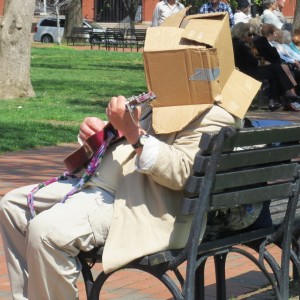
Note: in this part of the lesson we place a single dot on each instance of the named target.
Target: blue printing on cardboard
(206, 74)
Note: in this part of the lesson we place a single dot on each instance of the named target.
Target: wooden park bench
(135, 38)
(99, 39)
(114, 38)
(79, 34)
(140, 36)
(232, 168)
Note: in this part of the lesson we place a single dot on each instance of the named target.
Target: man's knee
(45, 233)
(6, 207)
(13, 210)
(38, 228)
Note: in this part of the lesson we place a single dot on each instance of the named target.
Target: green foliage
(258, 2)
(233, 4)
(69, 86)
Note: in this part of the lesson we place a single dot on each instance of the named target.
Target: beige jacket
(147, 216)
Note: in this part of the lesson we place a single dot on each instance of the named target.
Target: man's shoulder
(237, 43)
(224, 5)
(267, 12)
(181, 5)
(161, 3)
(259, 39)
(206, 5)
(277, 12)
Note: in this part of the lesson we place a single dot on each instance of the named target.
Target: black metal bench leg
(87, 275)
(220, 262)
(295, 247)
(200, 282)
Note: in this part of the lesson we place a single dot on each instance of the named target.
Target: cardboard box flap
(205, 32)
(166, 38)
(212, 16)
(174, 118)
(238, 93)
(175, 20)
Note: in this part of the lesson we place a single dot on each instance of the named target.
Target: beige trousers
(41, 253)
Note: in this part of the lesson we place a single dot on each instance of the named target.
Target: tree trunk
(15, 49)
(73, 17)
(296, 22)
(131, 7)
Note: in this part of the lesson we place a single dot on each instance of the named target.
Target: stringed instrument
(81, 157)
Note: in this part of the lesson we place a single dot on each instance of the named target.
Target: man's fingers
(90, 126)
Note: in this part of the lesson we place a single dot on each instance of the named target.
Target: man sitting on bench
(131, 204)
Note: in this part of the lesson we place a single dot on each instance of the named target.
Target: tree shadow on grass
(27, 135)
(89, 67)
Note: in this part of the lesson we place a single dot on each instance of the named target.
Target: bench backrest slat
(244, 177)
(239, 159)
(245, 196)
(253, 195)
(255, 136)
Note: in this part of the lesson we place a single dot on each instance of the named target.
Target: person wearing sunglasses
(250, 61)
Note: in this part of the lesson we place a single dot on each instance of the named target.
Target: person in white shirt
(268, 16)
(278, 12)
(164, 9)
(243, 12)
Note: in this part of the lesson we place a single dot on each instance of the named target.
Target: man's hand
(90, 126)
(121, 119)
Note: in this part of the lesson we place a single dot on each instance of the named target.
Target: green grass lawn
(69, 85)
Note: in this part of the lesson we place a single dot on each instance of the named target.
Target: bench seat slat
(204, 247)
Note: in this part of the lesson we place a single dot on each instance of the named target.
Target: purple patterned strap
(90, 170)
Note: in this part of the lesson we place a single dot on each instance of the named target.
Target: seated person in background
(243, 13)
(164, 9)
(268, 16)
(214, 6)
(41, 251)
(295, 43)
(281, 39)
(281, 17)
(270, 54)
(265, 50)
(248, 60)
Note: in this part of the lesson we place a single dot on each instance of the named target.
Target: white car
(46, 29)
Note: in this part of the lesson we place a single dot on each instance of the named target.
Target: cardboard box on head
(189, 65)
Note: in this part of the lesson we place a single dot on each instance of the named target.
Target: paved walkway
(37, 165)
